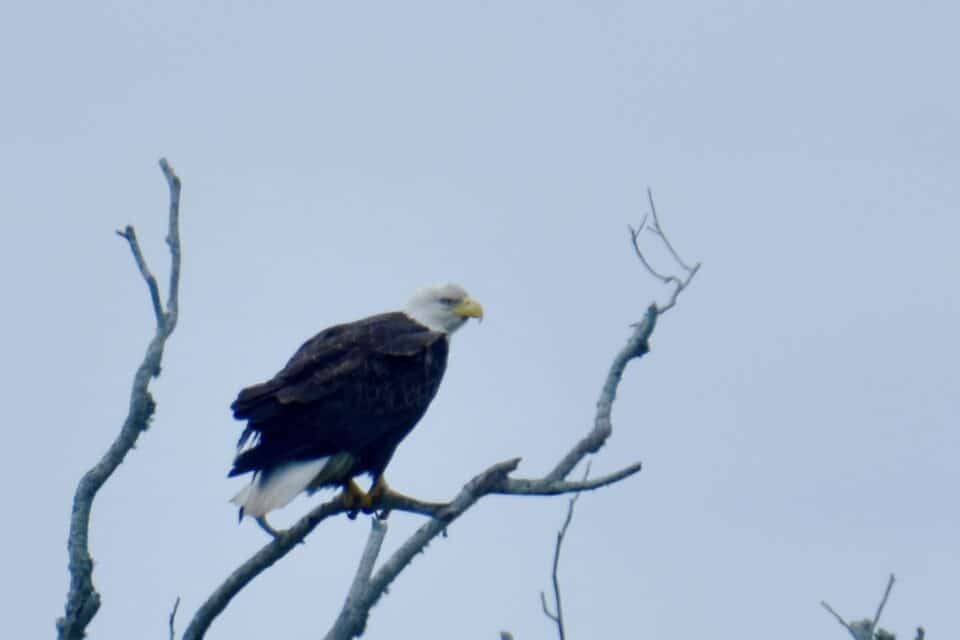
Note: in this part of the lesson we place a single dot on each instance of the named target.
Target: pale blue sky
(797, 417)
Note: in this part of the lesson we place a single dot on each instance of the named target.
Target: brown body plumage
(345, 400)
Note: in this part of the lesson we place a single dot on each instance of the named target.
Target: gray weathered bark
(83, 600)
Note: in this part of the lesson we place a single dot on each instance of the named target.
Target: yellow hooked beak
(469, 308)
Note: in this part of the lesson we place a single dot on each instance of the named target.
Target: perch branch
(278, 547)
(351, 615)
(479, 486)
(83, 600)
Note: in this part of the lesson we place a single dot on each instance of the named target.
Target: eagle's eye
(448, 301)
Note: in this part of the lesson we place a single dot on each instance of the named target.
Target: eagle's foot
(376, 494)
(354, 499)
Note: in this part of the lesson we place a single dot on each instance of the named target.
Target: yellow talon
(378, 490)
(353, 497)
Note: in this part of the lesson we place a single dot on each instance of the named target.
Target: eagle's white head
(443, 308)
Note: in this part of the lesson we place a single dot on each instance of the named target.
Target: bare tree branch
(83, 600)
(883, 603)
(636, 347)
(866, 629)
(546, 609)
(543, 487)
(494, 480)
(282, 544)
(173, 618)
(679, 284)
(131, 237)
(558, 603)
(479, 486)
(836, 615)
(352, 616)
(658, 229)
(173, 242)
(634, 238)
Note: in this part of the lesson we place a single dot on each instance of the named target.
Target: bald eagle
(344, 401)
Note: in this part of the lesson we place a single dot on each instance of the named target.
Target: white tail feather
(277, 488)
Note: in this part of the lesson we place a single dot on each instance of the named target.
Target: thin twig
(838, 617)
(542, 487)
(131, 237)
(83, 600)
(658, 229)
(883, 603)
(173, 242)
(863, 629)
(634, 238)
(546, 609)
(679, 284)
(173, 618)
(558, 603)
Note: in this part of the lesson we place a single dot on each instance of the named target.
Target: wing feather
(359, 388)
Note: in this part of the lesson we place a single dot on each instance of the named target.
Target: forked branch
(867, 629)
(679, 282)
(83, 600)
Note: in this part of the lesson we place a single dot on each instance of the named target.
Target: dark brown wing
(358, 388)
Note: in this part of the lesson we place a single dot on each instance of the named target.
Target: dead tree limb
(351, 615)
(172, 620)
(603, 427)
(83, 600)
(867, 629)
(557, 617)
(679, 282)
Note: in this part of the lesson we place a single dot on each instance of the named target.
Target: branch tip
(173, 618)
(679, 284)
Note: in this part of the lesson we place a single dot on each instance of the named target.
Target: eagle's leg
(378, 489)
(354, 499)
(262, 521)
